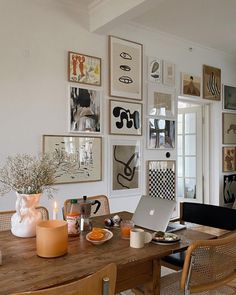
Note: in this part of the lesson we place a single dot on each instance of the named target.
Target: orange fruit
(96, 234)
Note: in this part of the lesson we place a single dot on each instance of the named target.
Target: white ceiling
(210, 23)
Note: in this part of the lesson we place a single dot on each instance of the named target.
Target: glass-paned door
(189, 152)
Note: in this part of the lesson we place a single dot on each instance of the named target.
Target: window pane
(190, 123)
(190, 188)
(180, 188)
(180, 167)
(190, 167)
(190, 145)
(180, 145)
(180, 124)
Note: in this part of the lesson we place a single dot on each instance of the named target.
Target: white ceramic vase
(23, 222)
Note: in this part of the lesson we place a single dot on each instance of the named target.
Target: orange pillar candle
(51, 238)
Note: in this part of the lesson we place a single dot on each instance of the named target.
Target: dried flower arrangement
(28, 174)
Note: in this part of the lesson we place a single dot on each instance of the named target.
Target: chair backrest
(5, 217)
(209, 264)
(103, 210)
(209, 215)
(101, 282)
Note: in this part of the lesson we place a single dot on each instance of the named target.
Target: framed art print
(191, 85)
(229, 98)
(126, 68)
(84, 69)
(161, 134)
(125, 166)
(161, 179)
(211, 83)
(168, 73)
(154, 69)
(229, 128)
(83, 154)
(229, 160)
(85, 110)
(125, 118)
(229, 188)
(161, 100)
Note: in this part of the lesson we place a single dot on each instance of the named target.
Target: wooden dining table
(23, 270)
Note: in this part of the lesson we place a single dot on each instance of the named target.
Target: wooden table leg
(153, 287)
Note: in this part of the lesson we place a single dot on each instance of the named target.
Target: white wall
(35, 38)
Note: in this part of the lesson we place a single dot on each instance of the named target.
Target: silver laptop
(154, 213)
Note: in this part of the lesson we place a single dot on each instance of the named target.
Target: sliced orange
(96, 234)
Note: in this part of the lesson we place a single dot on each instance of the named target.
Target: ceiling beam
(106, 14)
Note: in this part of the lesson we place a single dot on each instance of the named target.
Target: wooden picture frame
(85, 154)
(162, 179)
(229, 189)
(84, 110)
(168, 73)
(125, 167)
(211, 83)
(229, 101)
(155, 69)
(229, 128)
(84, 69)
(229, 158)
(161, 100)
(161, 133)
(126, 68)
(190, 85)
(125, 118)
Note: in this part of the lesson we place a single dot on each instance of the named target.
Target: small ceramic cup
(138, 237)
(125, 227)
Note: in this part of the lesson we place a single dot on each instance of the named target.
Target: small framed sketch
(126, 68)
(154, 69)
(229, 100)
(229, 188)
(125, 167)
(229, 128)
(85, 110)
(211, 83)
(125, 118)
(161, 100)
(85, 154)
(191, 85)
(84, 69)
(161, 179)
(161, 134)
(168, 73)
(229, 159)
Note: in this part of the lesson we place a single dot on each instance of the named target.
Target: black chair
(202, 214)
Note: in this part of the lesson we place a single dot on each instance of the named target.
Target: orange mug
(125, 227)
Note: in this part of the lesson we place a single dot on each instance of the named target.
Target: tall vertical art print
(126, 68)
(125, 166)
(211, 83)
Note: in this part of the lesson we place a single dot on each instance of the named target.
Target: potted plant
(29, 176)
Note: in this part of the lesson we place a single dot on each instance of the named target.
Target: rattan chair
(5, 217)
(103, 210)
(202, 214)
(95, 284)
(209, 268)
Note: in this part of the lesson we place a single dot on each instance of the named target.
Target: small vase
(23, 222)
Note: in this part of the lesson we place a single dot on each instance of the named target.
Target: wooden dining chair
(209, 268)
(5, 217)
(103, 210)
(201, 214)
(101, 282)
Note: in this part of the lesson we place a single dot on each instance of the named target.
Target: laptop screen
(153, 213)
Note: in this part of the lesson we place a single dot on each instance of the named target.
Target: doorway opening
(192, 152)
